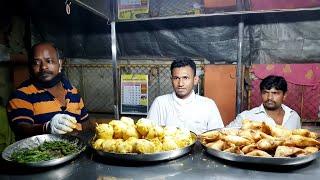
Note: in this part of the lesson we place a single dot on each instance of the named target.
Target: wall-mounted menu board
(131, 9)
(134, 94)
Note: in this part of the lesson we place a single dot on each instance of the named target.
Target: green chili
(47, 151)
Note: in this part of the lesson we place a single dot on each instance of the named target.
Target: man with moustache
(272, 110)
(47, 102)
(183, 108)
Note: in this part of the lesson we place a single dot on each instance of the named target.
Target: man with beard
(47, 102)
(272, 110)
(183, 108)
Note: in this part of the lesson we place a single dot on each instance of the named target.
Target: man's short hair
(31, 53)
(182, 62)
(277, 82)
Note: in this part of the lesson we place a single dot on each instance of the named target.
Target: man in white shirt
(183, 108)
(273, 92)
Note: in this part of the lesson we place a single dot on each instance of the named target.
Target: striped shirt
(30, 104)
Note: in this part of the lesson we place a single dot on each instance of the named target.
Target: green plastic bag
(6, 134)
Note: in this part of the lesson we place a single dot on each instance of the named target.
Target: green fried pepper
(44, 152)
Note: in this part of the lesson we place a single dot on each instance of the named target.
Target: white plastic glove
(62, 124)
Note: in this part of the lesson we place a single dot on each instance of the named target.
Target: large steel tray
(260, 160)
(152, 157)
(35, 141)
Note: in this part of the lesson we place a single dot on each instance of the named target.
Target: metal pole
(115, 69)
(239, 67)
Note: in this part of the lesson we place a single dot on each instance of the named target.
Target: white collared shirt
(195, 113)
(291, 119)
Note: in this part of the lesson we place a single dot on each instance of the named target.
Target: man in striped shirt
(47, 102)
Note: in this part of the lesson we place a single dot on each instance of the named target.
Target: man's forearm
(27, 130)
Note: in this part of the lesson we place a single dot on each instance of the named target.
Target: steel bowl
(35, 141)
(152, 157)
(281, 161)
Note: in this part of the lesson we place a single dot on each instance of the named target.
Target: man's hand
(62, 124)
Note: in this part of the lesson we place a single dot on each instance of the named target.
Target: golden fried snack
(217, 145)
(132, 140)
(301, 132)
(130, 132)
(305, 133)
(123, 147)
(104, 131)
(279, 131)
(127, 120)
(254, 125)
(265, 128)
(233, 132)
(248, 148)
(98, 144)
(157, 144)
(257, 138)
(258, 153)
(183, 141)
(268, 144)
(144, 146)
(266, 136)
(234, 149)
(285, 151)
(249, 134)
(310, 150)
(300, 141)
(237, 140)
(169, 144)
(122, 136)
(210, 136)
(313, 135)
(118, 128)
(155, 132)
(169, 131)
(257, 126)
(143, 126)
(109, 145)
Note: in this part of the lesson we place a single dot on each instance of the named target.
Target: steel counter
(196, 165)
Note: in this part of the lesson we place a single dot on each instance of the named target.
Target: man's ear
(196, 80)
(284, 96)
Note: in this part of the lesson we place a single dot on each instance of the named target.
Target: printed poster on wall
(134, 94)
(129, 9)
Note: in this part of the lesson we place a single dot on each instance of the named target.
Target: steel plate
(260, 160)
(35, 141)
(161, 156)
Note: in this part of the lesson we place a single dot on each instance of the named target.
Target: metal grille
(173, 7)
(95, 82)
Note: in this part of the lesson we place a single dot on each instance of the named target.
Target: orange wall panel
(20, 68)
(220, 85)
(219, 3)
(20, 74)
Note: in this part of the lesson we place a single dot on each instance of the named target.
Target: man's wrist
(46, 127)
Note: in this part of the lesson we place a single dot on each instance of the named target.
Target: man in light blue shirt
(272, 110)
